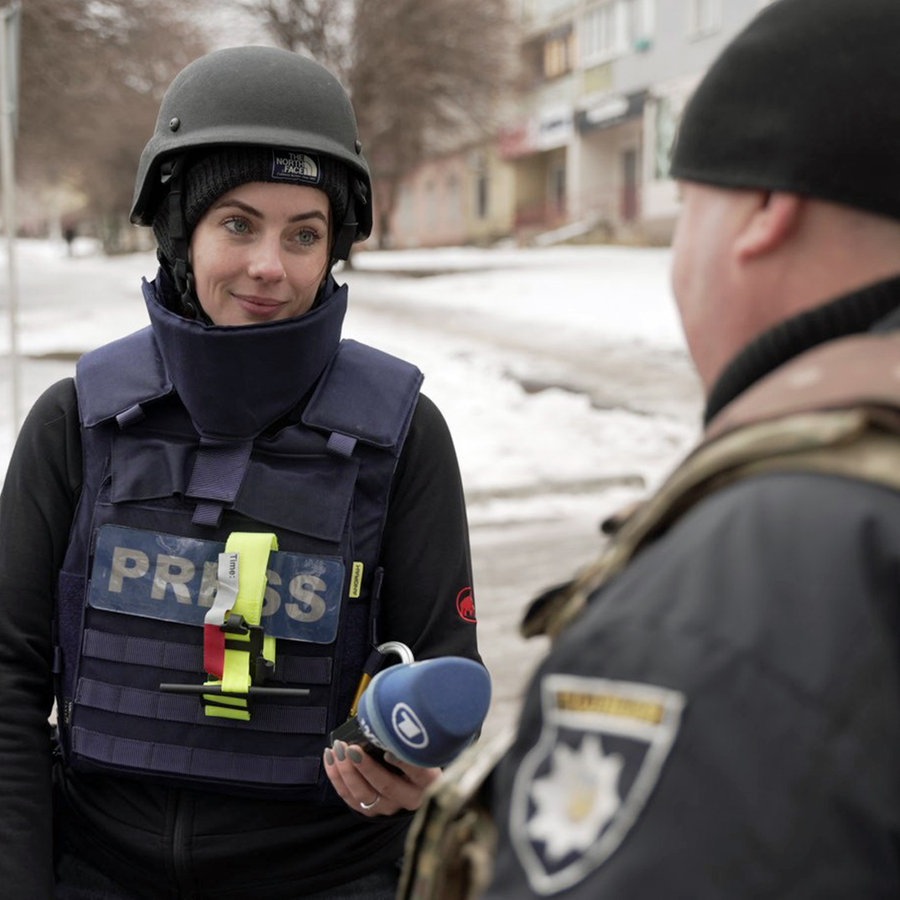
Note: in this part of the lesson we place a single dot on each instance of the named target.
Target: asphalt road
(516, 559)
(513, 563)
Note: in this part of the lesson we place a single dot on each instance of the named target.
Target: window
(558, 189)
(617, 27)
(666, 123)
(431, 204)
(557, 55)
(640, 22)
(482, 187)
(602, 33)
(405, 214)
(704, 17)
(453, 214)
(552, 8)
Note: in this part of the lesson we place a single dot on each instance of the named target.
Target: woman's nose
(265, 262)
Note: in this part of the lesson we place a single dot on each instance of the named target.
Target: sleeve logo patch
(465, 605)
(581, 788)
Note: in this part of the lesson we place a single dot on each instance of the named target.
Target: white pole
(8, 66)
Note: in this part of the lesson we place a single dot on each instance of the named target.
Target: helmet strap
(346, 234)
(172, 173)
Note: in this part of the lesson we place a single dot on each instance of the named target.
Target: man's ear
(774, 220)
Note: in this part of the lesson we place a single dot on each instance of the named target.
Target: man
(719, 716)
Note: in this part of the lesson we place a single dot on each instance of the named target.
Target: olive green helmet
(260, 96)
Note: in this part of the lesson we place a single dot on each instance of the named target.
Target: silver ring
(398, 648)
(370, 805)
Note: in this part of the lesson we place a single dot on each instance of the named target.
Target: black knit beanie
(210, 176)
(803, 100)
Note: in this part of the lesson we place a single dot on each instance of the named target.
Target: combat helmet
(252, 96)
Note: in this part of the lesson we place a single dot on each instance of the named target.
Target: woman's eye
(237, 225)
(307, 237)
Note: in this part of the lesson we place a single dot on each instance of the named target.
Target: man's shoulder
(790, 575)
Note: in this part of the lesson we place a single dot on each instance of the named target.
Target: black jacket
(723, 720)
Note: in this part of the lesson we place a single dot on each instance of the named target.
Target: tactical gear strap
(172, 174)
(859, 443)
(188, 658)
(234, 644)
(218, 473)
(197, 762)
(450, 844)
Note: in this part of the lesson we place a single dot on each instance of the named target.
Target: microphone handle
(351, 732)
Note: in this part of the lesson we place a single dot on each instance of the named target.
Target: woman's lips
(259, 306)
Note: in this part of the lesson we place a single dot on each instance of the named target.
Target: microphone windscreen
(426, 713)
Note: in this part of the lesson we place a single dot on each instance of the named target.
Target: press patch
(174, 579)
(581, 788)
(291, 165)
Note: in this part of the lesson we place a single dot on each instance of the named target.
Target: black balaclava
(207, 177)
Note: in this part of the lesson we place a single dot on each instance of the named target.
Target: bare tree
(423, 74)
(92, 74)
(320, 28)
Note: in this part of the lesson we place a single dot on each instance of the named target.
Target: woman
(209, 532)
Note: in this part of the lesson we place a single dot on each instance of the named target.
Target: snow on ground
(613, 293)
(522, 453)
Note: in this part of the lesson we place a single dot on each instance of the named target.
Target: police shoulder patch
(583, 785)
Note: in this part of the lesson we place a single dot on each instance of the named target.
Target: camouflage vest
(835, 410)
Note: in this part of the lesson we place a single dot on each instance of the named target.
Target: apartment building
(582, 152)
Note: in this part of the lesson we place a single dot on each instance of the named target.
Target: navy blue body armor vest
(157, 506)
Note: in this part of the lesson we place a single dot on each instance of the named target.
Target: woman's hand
(373, 789)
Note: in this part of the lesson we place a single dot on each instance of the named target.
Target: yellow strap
(269, 648)
(253, 549)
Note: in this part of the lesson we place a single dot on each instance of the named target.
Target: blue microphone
(425, 713)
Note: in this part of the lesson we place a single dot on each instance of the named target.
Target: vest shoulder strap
(113, 379)
(366, 394)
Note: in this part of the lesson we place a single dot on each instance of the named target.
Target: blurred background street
(539, 129)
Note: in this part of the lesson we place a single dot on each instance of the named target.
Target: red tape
(214, 651)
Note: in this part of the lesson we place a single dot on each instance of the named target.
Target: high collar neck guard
(236, 381)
